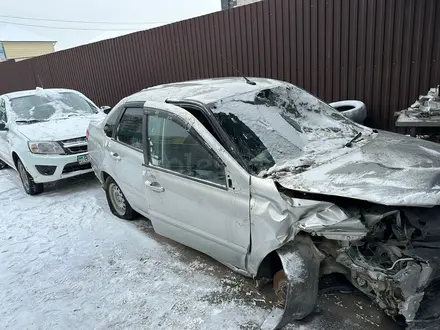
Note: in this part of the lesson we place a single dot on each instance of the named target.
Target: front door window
(179, 149)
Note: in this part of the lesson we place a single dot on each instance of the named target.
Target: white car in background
(42, 135)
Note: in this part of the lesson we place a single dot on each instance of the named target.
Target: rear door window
(130, 128)
(111, 120)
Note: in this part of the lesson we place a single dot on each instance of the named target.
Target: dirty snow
(67, 263)
(295, 272)
(434, 153)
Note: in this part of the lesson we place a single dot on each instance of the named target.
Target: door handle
(155, 186)
(115, 155)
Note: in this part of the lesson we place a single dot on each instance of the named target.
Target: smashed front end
(391, 254)
(396, 263)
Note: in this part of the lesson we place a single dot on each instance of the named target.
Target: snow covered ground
(67, 263)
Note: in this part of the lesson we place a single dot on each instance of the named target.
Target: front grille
(46, 169)
(75, 146)
(77, 149)
(74, 167)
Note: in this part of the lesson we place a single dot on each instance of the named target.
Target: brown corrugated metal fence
(383, 52)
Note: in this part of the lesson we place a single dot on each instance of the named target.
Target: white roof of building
(13, 33)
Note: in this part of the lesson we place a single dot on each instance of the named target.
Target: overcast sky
(145, 11)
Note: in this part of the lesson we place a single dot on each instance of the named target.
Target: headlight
(49, 148)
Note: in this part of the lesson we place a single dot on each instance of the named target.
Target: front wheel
(116, 200)
(30, 187)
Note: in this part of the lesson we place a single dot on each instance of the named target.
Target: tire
(116, 200)
(352, 109)
(30, 187)
(3, 165)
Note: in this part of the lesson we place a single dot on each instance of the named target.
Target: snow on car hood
(388, 169)
(57, 130)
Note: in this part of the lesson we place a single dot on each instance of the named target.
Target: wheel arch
(270, 264)
(104, 176)
(15, 158)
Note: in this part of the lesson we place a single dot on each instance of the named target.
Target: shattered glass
(279, 125)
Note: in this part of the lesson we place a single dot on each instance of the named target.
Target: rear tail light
(87, 134)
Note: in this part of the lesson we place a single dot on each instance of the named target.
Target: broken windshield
(279, 125)
(50, 105)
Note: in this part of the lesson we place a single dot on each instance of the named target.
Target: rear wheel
(30, 187)
(116, 200)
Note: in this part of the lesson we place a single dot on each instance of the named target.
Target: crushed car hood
(388, 169)
(57, 130)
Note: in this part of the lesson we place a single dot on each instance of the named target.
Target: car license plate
(83, 159)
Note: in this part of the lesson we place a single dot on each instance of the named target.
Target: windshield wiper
(355, 139)
(32, 121)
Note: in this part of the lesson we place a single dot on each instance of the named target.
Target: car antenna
(248, 81)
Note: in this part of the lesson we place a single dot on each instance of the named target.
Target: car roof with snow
(14, 95)
(204, 91)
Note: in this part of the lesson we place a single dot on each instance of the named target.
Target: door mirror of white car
(3, 126)
(106, 109)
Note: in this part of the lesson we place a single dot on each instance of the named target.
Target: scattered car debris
(424, 113)
(426, 106)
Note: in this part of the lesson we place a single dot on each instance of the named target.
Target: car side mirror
(3, 126)
(106, 109)
(108, 130)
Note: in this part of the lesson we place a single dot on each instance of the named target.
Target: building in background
(228, 4)
(17, 44)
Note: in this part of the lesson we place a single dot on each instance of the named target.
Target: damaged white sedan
(278, 186)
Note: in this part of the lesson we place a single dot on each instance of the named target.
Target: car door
(125, 154)
(5, 152)
(196, 193)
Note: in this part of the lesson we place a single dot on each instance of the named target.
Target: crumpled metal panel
(277, 219)
(333, 223)
(389, 169)
(409, 236)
